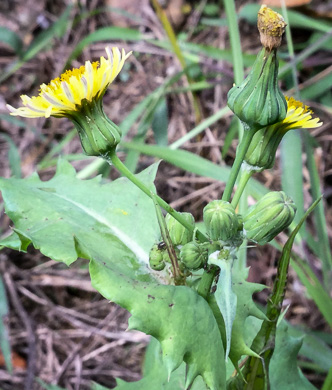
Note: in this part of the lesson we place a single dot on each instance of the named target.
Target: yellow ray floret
(299, 116)
(65, 93)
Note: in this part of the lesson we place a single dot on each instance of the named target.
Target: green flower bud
(98, 134)
(273, 213)
(220, 220)
(178, 233)
(263, 146)
(193, 255)
(166, 257)
(156, 258)
(258, 100)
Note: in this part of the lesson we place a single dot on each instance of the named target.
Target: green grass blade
(200, 128)
(314, 287)
(291, 150)
(319, 214)
(11, 39)
(42, 41)
(234, 35)
(57, 148)
(105, 34)
(4, 336)
(328, 381)
(299, 58)
(14, 157)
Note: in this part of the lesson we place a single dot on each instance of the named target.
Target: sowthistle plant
(182, 285)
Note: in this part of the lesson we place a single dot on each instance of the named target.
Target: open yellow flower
(262, 149)
(299, 116)
(65, 94)
(77, 94)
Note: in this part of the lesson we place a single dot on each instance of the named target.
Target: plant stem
(244, 178)
(240, 153)
(113, 159)
(205, 283)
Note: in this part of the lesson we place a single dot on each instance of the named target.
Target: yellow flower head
(299, 116)
(65, 94)
(262, 149)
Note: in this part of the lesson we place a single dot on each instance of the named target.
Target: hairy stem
(240, 153)
(114, 160)
(244, 178)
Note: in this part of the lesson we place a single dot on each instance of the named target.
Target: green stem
(204, 286)
(240, 153)
(244, 178)
(113, 159)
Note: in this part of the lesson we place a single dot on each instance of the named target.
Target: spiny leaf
(155, 374)
(284, 372)
(245, 308)
(225, 297)
(68, 218)
(175, 315)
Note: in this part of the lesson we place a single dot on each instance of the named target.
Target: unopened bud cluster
(273, 213)
(190, 254)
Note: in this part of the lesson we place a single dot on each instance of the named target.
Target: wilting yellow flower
(65, 94)
(262, 149)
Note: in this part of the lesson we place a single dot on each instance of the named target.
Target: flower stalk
(114, 160)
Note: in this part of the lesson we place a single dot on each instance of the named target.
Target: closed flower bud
(193, 255)
(258, 100)
(156, 258)
(273, 213)
(178, 233)
(220, 220)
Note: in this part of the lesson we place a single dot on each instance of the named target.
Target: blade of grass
(177, 50)
(57, 148)
(291, 148)
(189, 49)
(105, 34)
(316, 45)
(328, 381)
(319, 215)
(14, 157)
(19, 123)
(320, 222)
(200, 128)
(314, 287)
(42, 41)
(234, 36)
(11, 39)
(4, 336)
(317, 85)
